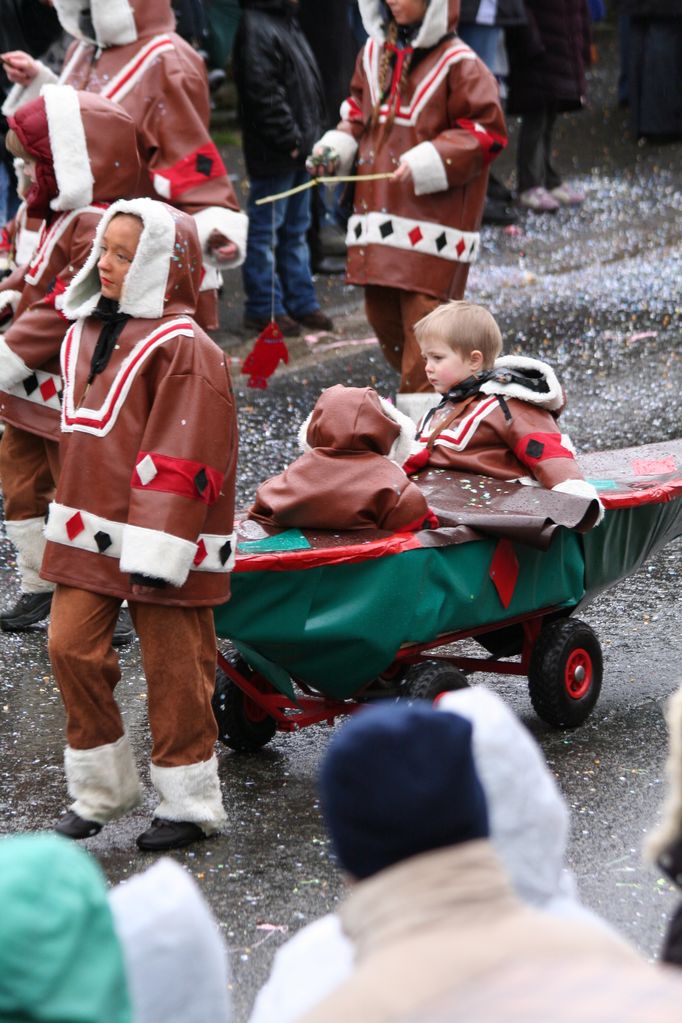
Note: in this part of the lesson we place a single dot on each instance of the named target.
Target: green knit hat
(60, 959)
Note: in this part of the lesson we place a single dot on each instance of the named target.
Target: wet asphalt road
(597, 292)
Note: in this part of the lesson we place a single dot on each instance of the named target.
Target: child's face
(407, 12)
(446, 367)
(117, 252)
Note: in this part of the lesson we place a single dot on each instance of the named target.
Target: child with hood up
(350, 475)
(143, 512)
(425, 109)
(79, 153)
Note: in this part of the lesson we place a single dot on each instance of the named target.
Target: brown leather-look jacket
(447, 124)
(148, 449)
(349, 476)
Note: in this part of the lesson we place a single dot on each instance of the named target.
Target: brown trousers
(392, 313)
(178, 655)
(29, 467)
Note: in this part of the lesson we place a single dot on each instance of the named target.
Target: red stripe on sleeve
(192, 170)
(179, 476)
(538, 447)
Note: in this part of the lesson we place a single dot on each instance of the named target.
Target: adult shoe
(539, 200)
(316, 320)
(288, 326)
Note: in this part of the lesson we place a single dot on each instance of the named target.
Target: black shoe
(496, 211)
(124, 632)
(30, 609)
(496, 190)
(73, 826)
(165, 834)
(288, 326)
(316, 320)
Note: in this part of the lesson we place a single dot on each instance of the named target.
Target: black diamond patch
(534, 448)
(30, 383)
(204, 165)
(103, 540)
(496, 147)
(441, 241)
(386, 229)
(225, 552)
(357, 230)
(201, 480)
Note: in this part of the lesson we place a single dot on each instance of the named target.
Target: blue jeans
(9, 200)
(483, 40)
(294, 292)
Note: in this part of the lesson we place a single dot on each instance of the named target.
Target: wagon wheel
(242, 724)
(564, 679)
(427, 680)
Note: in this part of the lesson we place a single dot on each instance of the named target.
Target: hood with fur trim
(441, 17)
(85, 147)
(114, 22)
(357, 419)
(518, 376)
(165, 275)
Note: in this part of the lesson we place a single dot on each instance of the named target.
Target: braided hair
(385, 80)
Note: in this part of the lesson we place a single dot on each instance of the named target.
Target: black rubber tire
(242, 725)
(427, 680)
(560, 694)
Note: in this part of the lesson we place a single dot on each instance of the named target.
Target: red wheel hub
(578, 674)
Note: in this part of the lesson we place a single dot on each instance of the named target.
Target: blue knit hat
(399, 780)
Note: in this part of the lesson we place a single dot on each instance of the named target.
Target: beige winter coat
(449, 920)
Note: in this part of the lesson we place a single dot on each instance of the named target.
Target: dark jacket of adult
(548, 56)
(650, 8)
(509, 12)
(24, 25)
(281, 103)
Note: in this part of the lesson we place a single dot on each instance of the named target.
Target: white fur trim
(417, 404)
(28, 538)
(112, 20)
(72, 169)
(412, 235)
(190, 793)
(404, 444)
(56, 532)
(670, 827)
(12, 369)
(344, 145)
(103, 781)
(581, 488)
(144, 288)
(157, 554)
(10, 298)
(552, 400)
(20, 94)
(428, 169)
(433, 27)
(231, 223)
(303, 434)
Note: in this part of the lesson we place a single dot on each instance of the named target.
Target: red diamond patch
(48, 389)
(504, 571)
(74, 526)
(201, 553)
(460, 247)
(415, 235)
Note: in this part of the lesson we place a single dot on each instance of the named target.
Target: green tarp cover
(337, 627)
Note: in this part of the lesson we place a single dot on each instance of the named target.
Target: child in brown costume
(424, 109)
(349, 476)
(497, 416)
(143, 512)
